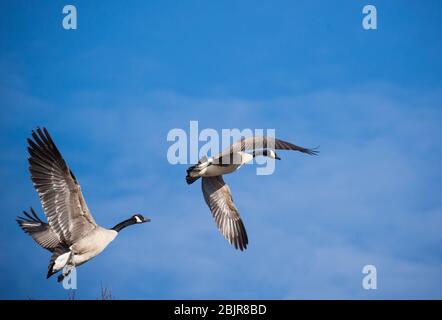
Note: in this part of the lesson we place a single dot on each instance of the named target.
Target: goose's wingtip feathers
(313, 151)
(239, 239)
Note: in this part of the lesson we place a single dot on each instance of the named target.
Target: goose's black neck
(124, 224)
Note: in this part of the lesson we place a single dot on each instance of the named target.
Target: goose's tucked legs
(67, 268)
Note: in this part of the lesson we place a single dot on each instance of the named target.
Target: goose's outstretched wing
(40, 231)
(59, 192)
(219, 199)
(265, 142)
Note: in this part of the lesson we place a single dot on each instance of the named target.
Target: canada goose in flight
(217, 193)
(71, 234)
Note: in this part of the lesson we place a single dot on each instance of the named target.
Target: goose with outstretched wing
(71, 233)
(217, 193)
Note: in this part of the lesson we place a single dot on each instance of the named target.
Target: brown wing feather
(219, 199)
(40, 231)
(265, 142)
(59, 192)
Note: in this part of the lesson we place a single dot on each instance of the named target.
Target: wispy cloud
(369, 198)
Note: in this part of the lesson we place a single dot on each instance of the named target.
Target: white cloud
(370, 197)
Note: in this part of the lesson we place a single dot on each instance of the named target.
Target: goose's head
(138, 218)
(135, 219)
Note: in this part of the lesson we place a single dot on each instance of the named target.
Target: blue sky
(110, 91)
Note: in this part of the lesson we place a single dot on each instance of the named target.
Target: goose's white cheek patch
(138, 219)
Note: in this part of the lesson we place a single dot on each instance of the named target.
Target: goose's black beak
(277, 157)
(146, 219)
